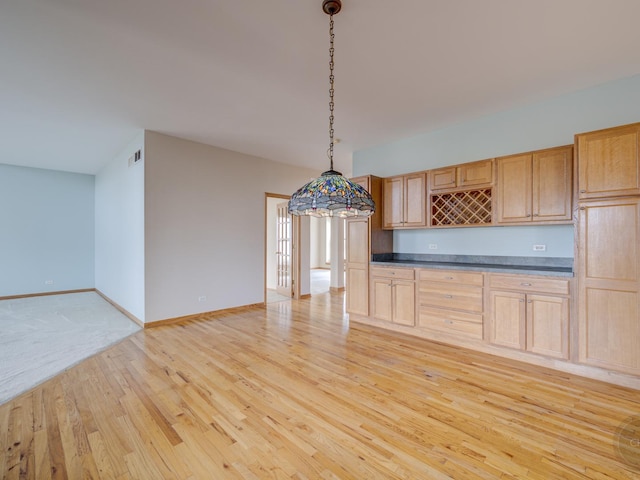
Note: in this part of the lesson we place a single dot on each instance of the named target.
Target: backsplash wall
(501, 241)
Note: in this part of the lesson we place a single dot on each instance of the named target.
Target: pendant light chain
(331, 89)
(331, 194)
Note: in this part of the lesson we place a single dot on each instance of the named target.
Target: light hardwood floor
(291, 391)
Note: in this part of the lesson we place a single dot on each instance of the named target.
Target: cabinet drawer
(457, 297)
(403, 273)
(446, 321)
(530, 284)
(451, 276)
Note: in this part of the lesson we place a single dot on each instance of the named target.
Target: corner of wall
(119, 229)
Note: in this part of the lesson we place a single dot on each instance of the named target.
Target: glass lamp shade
(332, 195)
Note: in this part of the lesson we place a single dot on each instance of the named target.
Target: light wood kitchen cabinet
(357, 266)
(393, 295)
(535, 187)
(467, 175)
(508, 321)
(405, 201)
(381, 298)
(609, 163)
(461, 195)
(451, 302)
(609, 283)
(547, 326)
(393, 202)
(442, 178)
(364, 238)
(525, 320)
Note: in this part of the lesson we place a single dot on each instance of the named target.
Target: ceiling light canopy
(331, 194)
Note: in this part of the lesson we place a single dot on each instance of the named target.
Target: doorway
(304, 255)
(279, 247)
(320, 254)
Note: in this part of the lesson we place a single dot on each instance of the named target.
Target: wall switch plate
(433, 246)
(202, 298)
(48, 282)
(539, 248)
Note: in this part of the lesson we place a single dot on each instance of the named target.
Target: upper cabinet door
(393, 200)
(364, 182)
(552, 184)
(463, 176)
(415, 199)
(405, 200)
(443, 178)
(608, 164)
(514, 189)
(475, 173)
(535, 187)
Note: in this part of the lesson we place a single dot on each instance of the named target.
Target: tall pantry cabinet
(608, 253)
(365, 237)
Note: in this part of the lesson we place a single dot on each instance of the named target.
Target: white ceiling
(80, 78)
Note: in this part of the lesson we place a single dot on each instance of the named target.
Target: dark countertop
(523, 265)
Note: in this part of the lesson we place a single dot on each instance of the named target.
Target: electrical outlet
(539, 248)
(433, 246)
(202, 298)
(48, 282)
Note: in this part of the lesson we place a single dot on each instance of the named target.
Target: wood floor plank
(292, 391)
(143, 461)
(52, 397)
(4, 440)
(104, 463)
(27, 442)
(14, 443)
(42, 467)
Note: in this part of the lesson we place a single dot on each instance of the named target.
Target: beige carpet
(43, 336)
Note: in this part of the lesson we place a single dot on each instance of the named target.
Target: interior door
(283, 252)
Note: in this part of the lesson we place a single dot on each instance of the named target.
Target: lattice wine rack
(472, 207)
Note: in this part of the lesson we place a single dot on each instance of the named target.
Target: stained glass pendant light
(331, 194)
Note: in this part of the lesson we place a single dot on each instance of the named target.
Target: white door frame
(295, 251)
(284, 251)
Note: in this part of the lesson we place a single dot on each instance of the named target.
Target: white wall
(337, 252)
(305, 260)
(204, 225)
(46, 230)
(546, 124)
(318, 238)
(119, 230)
(314, 251)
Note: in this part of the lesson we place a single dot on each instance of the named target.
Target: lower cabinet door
(404, 302)
(548, 325)
(610, 329)
(381, 299)
(507, 326)
(357, 292)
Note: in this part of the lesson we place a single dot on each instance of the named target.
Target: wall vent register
(135, 158)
